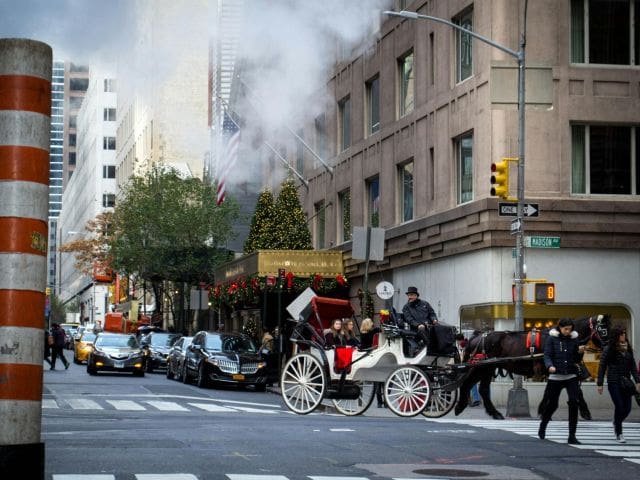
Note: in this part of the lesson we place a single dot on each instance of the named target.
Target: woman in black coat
(617, 361)
(562, 353)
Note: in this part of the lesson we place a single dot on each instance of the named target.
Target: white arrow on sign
(530, 209)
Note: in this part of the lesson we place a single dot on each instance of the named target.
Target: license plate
(238, 376)
(119, 364)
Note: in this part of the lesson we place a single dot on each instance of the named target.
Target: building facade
(420, 113)
(90, 191)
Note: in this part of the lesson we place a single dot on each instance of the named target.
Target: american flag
(226, 162)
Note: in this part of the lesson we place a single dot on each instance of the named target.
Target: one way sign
(510, 209)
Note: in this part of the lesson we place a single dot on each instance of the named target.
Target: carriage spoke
(407, 391)
(302, 383)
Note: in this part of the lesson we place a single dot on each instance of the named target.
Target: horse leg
(485, 392)
(463, 397)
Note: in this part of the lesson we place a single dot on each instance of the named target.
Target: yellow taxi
(83, 347)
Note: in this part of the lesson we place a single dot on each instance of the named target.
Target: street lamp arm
(414, 15)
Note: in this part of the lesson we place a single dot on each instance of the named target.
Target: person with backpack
(57, 348)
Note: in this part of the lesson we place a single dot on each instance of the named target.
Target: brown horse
(512, 346)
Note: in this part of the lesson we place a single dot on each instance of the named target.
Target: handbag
(583, 372)
(627, 386)
(50, 340)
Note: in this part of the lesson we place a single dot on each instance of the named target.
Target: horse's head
(595, 328)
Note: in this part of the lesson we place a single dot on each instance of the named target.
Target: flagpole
(228, 110)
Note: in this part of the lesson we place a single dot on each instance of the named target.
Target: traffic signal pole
(518, 401)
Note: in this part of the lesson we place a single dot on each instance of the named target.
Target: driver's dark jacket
(562, 352)
(418, 313)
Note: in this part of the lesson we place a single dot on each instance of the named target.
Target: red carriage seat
(342, 359)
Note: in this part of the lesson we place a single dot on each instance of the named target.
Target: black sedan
(225, 358)
(156, 346)
(175, 360)
(116, 352)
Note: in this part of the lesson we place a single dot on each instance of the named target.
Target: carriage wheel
(407, 391)
(302, 383)
(359, 405)
(441, 402)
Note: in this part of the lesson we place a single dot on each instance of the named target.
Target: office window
(321, 136)
(373, 105)
(73, 121)
(109, 143)
(320, 224)
(72, 158)
(464, 46)
(109, 115)
(344, 123)
(432, 59)
(344, 219)
(79, 84)
(72, 139)
(604, 159)
(108, 171)
(108, 200)
(75, 103)
(605, 32)
(405, 65)
(109, 85)
(373, 201)
(405, 180)
(300, 152)
(464, 160)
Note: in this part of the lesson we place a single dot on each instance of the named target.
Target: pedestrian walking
(562, 353)
(47, 347)
(58, 346)
(618, 363)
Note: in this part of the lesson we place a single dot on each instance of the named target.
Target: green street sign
(542, 242)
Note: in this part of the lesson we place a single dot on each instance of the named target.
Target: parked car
(156, 347)
(225, 358)
(117, 352)
(175, 360)
(83, 347)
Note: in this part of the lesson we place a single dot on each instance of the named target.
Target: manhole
(444, 472)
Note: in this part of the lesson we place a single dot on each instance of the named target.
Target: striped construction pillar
(25, 110)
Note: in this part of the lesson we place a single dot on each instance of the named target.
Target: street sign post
(510, 209)
(516, 226)
(542, 242)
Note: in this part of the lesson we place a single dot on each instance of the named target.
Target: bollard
(25, 123)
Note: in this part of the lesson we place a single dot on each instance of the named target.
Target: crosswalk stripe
(338, 478)
(126, 405)
(212, 408)
(166, 476)
(167, 406)
(234, 476)
(49, 403)
(83, 404)
(254, 410)
(90, 476)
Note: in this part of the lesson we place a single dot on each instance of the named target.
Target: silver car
(116, 352)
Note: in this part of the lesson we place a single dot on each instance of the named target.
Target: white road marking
(233, 476)
(167, 406)
(166, 476)
(209, 407)
(49, 403)
(126, 405)
(253, 410)
(338, 430)
(83, 404)
(83, 477)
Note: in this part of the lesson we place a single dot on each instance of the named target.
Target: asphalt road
(117, 427)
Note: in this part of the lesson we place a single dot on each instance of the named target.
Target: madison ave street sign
(542, 242)
(510, 209)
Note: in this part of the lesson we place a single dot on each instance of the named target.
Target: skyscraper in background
(68, 86)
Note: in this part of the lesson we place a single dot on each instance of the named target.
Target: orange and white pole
(25, 123)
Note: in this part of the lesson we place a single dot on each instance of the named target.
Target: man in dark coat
(58, 346)
(418, 314)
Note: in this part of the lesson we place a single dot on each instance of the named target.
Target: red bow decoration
(289, 279)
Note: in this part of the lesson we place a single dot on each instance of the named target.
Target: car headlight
(262, 364)
(212, 361)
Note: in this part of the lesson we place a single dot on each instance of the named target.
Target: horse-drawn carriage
(413, 380)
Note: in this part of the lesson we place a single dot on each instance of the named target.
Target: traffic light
(500, 179)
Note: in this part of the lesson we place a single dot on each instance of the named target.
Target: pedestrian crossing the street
(596, 436)
(64, 403)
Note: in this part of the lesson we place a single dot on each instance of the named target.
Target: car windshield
(185, 342)
(88, 337)
(163, 339)
(117, 341)
(231, 344)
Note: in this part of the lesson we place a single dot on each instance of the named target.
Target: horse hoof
(458, 411)
(497, 416)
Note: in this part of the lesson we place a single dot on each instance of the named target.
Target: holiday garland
(249, 290)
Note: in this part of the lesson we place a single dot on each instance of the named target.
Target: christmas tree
(292, 231)
(262, 233)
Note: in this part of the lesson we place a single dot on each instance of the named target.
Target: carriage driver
(418, 313)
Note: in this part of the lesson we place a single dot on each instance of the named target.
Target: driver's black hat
(412, 290)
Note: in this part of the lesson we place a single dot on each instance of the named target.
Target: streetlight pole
(518, 401)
